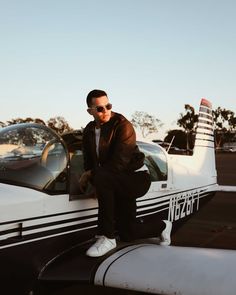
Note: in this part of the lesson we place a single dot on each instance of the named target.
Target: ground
(215, 225)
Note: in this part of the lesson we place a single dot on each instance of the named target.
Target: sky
(153, 56)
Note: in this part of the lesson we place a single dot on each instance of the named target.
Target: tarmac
(214, 226)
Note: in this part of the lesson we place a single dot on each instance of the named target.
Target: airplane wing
(148, 268)
(226, 188)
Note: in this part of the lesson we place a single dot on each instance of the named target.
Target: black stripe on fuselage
(205, 146)
(205, 122)
(205, 110)
(47, 216)
(158, 209)
(164, 206)
(150, 208)
(205, 116)
(48, 233)
(206, 128)
(207, 134)
(48, 224)
(200, 188)
(205, 139)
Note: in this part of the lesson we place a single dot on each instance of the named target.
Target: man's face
(99, 109)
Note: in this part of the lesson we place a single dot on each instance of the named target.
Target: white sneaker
(101, 247)
(165, 235)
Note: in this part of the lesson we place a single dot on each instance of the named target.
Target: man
(115, 167)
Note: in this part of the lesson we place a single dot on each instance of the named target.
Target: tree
(39, 121)
(146, 123)
(232, 122)
(26, 120)
(224, 124)
(59, 124)
(179, 136)
(189, 122)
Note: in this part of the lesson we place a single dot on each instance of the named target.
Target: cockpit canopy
(34, 156)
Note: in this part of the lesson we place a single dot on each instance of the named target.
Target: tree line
(58, 123)
(224, 126)
(224, 121)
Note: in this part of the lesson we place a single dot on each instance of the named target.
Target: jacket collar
(105, 125)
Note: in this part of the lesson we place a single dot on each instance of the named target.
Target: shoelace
(99, 241)
(104, 242)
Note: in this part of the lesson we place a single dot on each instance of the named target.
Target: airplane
(46, 223)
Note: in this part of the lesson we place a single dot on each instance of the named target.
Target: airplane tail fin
(204, 149)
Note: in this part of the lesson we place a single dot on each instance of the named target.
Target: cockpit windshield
(155, 160)
(33, 156)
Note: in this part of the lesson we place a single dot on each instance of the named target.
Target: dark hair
(94, 94)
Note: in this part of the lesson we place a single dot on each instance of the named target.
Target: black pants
(117, 194)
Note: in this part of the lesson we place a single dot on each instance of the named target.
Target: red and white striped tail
(204, 149)
(205, 132)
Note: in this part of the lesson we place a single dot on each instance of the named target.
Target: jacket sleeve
(123, 147)
(86, 148)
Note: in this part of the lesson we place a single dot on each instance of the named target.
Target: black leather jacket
(118, 151)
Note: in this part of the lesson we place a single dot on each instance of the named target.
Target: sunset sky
(148, 55)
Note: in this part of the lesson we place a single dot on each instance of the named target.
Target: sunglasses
(101, 109)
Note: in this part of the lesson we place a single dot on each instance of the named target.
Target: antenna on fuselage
(170, 143)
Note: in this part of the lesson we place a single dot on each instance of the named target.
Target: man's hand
(84, 180)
